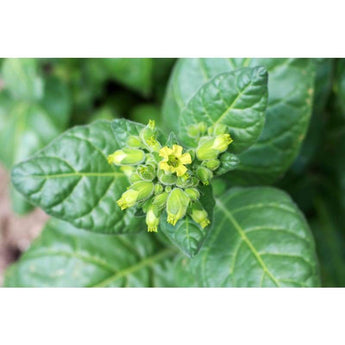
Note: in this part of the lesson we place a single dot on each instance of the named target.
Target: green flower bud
(228, 162)
(146, 172)
(205, 175)
(185, 181)
(166, 178)
(134, 178)
(193, 193)
(211, 147)
(137, 192)
(148, 137)
(152, 158)
(218, 129)
(158, 188)
(134, 141)
(196, 130)
(160, 200)
(168, 189)
(152, 218)
(213, 164)
(126, 156)
(199, 215)
(177, 205)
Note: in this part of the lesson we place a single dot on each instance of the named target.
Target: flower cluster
(167, 178)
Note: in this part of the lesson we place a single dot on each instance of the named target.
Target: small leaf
(187, 235)
(237, 99)
(22, 79)
(72, 180)
(65, 256)
(259, 238)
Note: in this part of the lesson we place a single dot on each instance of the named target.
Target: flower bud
(212, 164)
(158, 189)
(134, 141)
(196, 130)
(228, 162)
(205, 175)
(193, 193)
(211, 147)
(152, 218)
(138, 191)
(134, 178)
(160, 200)
(166, 178)
(148, 137)
(146, 172)
(177, 205)
(126, 156)
(185, 181)
(199, 215)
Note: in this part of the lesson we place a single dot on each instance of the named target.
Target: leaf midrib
(79, 174)
(246, 240)
(144, 263)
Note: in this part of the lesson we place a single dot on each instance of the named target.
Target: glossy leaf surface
(259, 238)
(65, 256)
(237, 99)
(290, 94)
(72, 180)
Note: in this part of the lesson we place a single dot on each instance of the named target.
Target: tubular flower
(199, 215)
(137, 192)
(177, 205)
(173, 160)
(152, 219)
(126, 156)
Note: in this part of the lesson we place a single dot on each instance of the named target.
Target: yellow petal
(186, 158)
(165, 152)
(180, 170)
(165, 166)
(177, 150)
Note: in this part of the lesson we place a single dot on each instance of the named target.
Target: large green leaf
(290, 90)
(259, 238)
(72, 180)
(22, 79)
(65, 256)
(187, 235)
(237, 99)
(57, 101)
(136, 74)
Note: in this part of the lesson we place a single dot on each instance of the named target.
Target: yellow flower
(173, 160)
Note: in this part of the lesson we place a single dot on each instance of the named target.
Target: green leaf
(237, 99)
(339, 85)
(71, 179)
(57, 101)
(187, 235)
(259, 238)
(290, 90)
(136, 74)
(28, 128)
(65, 256)
(123, 129)
(22, 79)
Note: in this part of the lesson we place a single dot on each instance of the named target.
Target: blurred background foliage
(55, 94)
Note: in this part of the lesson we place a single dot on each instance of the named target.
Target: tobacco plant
(194, 198)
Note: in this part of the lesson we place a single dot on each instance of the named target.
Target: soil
(16, 232)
